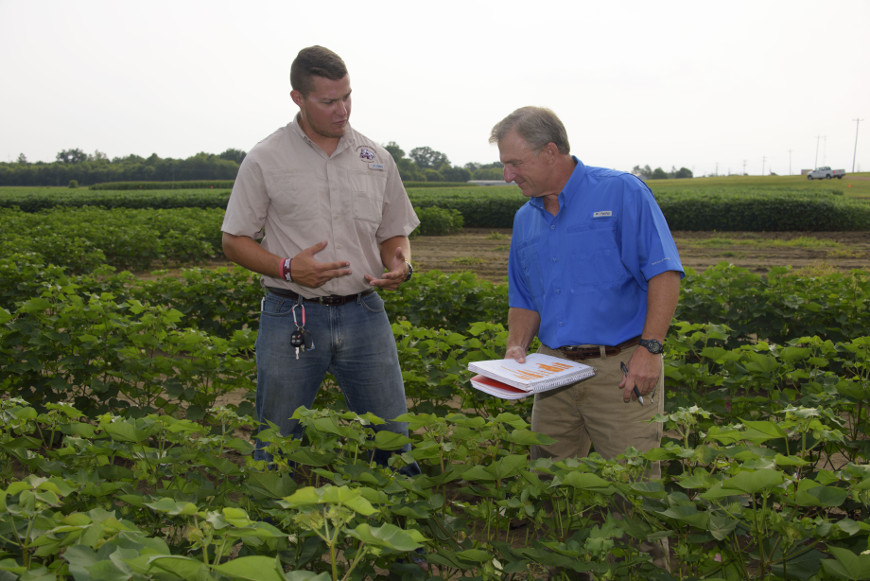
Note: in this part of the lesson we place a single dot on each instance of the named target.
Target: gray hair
(536, 125)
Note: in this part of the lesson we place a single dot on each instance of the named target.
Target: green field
(852, 185)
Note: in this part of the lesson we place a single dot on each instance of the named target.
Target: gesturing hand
(392, 279)
(307, 271)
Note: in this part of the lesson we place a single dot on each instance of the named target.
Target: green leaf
(386, 440)
(253, 568)
(754, 481)
(847, 565)
(813, 494)
(474, 556)
(585, 480)
(124, 431)
(184, 567)
(342, 495)
(389, 536)
(172, 507)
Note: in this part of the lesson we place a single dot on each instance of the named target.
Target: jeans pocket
(373, 302)
(275, 306)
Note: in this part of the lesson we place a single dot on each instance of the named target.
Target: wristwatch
(410, 271)
(654, 346)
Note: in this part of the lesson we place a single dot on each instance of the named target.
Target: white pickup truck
(826, 172)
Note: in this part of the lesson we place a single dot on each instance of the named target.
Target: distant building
(489, 182)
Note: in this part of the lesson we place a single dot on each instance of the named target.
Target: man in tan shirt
(320, 212)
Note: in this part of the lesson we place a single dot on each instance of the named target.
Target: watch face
(652, 345)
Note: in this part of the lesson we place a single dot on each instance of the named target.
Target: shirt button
(552, 226)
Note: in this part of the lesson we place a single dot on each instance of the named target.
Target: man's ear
(552, 150)
(297, 97)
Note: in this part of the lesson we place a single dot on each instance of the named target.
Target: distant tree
(22, 159)
(683, 172)
(408, 171)
(433, 175)
(396, 151)
(642, 172)
(428, 158)
(99, 156)
(72, 156)
(488, 173)
(236, 155)
(659, 174)
(454, 173)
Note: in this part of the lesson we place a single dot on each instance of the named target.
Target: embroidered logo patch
(377, 166)
(602, 214)
(366, 154)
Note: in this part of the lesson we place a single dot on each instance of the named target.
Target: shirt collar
(343, 142)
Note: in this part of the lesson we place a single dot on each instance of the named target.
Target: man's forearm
(388, 250)
(662, 297)
(247, 252)
(523, 325)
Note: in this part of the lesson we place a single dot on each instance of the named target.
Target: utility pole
(818, 137)
(789, 162)
(763, 159)
(855, 152)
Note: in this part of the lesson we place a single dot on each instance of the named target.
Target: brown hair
(536, 125)
(315, 61)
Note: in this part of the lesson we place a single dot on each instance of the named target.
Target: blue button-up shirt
(586, 270)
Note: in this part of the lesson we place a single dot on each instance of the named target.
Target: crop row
(777, 306)
(760, 208)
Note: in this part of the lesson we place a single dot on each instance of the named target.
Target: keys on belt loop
(300, 339)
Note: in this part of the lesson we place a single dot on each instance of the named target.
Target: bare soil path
(485, 251)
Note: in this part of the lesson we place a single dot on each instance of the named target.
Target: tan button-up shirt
(293, 196)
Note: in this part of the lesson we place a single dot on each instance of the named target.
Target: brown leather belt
(327, 301)
(580, 352)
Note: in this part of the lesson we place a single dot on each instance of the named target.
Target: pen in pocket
(625, 373)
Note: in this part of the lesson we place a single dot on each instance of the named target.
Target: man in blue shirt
(595, 274)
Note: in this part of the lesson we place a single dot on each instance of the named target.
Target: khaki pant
(591, 414)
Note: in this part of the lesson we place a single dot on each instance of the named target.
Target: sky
(743, 86)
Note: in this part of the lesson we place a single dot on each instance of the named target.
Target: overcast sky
(723, 86)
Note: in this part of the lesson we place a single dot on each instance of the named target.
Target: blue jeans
(353, 341)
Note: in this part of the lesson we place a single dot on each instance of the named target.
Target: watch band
(654, 346)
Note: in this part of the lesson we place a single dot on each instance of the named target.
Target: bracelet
(285, 269)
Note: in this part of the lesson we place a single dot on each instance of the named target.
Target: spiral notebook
(508, 379)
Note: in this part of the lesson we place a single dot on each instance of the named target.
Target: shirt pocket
(293, 195)
(530, 257)
(597, 251)
(367, 189)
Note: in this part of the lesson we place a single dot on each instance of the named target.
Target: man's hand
(392, 279)
(517, 353)
(644, 369)
(306, 271)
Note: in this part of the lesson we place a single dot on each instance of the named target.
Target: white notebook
(539, 373)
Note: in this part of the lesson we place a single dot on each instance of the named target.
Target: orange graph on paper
(539, 371)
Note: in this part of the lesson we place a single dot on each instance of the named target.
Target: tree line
(74, 167)
(659, 174)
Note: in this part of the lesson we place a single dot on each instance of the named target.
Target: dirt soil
(485, 251)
